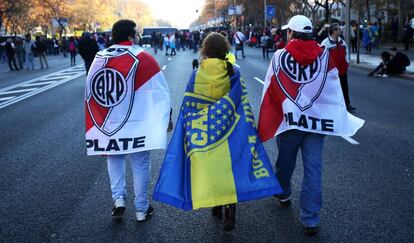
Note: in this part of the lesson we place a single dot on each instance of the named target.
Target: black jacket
(88, 48)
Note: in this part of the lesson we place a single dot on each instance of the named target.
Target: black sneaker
(119, 207)
(285, 201)
(311, 230)
(350, 108)
(144, 215)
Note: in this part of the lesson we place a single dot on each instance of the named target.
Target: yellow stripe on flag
(212, 181)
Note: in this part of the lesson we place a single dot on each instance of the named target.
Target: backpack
(72, 46)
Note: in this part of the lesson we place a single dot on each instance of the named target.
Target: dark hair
(333, 27)
(385, 55)
(215, 45)
(302, 36)
(122, 30)
(393, 48)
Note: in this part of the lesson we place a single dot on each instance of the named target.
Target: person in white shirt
(239, 42)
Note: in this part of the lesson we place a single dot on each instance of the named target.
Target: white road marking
(169, 59)
(237, 65)
(7, 98)
(16, 91)
(259, 80)
(63, 78)
(348, 139)
(164, 67)
(38, 83)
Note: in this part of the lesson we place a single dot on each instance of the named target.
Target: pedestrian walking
(11, 54)
(367, 39)
(87, 48)
(167, 43)
(64, 42)
(55, 46)
(29, 50)
(211, 159)
(72, 50)
(41, 52)
(301, 103)
(339, 52)
(264, 44)
(138, 118)
(19, 52)
(173, 42)
(239, 39)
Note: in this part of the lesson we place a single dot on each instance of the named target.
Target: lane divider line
(259, 80)
(164, 67)
(169, 59)
(237, 65)
(348, 139)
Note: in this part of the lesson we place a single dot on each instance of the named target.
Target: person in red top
(339, 52)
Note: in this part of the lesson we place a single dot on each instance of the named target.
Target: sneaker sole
(118, 212)
(148, 216)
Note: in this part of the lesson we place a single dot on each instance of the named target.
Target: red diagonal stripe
(99, 113)
(147, 68)
(271, 112)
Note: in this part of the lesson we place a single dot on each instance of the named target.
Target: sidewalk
(52, 60)
(369, 62)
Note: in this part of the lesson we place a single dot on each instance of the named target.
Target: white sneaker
(145, 215)
(119, 207)
(385, 76)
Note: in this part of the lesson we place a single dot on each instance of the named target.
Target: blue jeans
(141, 175)
(311, 145)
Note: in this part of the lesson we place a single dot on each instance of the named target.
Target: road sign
(270, 11)
(232, 10)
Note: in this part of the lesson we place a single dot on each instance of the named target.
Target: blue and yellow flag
(215, 156)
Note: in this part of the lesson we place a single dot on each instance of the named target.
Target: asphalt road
(52, 192)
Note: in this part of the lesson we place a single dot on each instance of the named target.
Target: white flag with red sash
(304, 97)
(127, 102)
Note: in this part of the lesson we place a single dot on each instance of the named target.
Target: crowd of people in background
(23, 52)
(20, 52)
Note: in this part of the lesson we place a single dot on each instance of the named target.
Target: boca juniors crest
(120, 118)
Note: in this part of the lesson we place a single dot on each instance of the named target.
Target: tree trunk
(400, 17)
(327, 12)
(368, 10)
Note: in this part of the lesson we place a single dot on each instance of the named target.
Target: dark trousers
(344, 85)
(265, 52)
(12, 60)
(88, 65)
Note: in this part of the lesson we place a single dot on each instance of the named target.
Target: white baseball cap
(299, 23)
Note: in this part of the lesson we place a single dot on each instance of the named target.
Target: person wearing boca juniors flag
(338, 50)
(301, 103)
(127, 113)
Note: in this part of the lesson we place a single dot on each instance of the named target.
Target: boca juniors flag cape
(215, 156)
(306, 97)
(127, 102)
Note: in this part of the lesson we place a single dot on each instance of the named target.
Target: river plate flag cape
(305, 98)
(215, 156)
(127, 102)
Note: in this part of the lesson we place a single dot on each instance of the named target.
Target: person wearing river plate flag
(302, 102)
(127, 113)
(215, 157)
